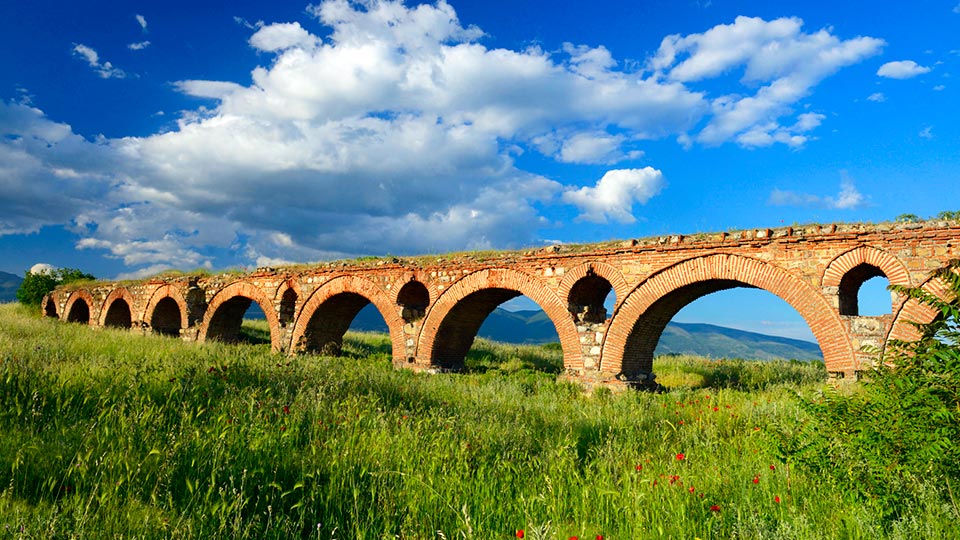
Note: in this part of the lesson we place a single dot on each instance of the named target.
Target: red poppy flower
(691, 489)
(756, 479)
(520, 533)
(680, 456)
(715, 508)
(639, 467)
(599, 537)
(772, 468)
(776, 499)
(286, 409)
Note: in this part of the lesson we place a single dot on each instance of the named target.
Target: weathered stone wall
(435, 305)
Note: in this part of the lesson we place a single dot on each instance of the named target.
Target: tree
(36, 286)
(893, 440)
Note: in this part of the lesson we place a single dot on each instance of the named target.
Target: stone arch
(50, 307)
(586, 286)
(79, 307)
(224, 314)
(640, 319)
(166, 312)
(286, 298)
(327, 314)
(117, 309)
(452, 323)
(414, 298)
(849, 270)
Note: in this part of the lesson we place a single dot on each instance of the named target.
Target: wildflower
(519, 533)
(674, 478)
(574, 538)
(776, 499)
(756, 479)
(680, 456)
(715, 409)
(773, 468)
(691, 490)
(639, 468)
(715, 508)
(599, 537)
(286, 409)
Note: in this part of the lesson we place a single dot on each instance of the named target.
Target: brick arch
(337, 302)
(165, 291)
(654, 302)
(849, 270)
(608, 272)
(224, 313)
(112, 315)
(399, 294)
(452, 322)
(912, 311)
(70, 314)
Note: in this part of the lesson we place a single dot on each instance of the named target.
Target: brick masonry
(434, 305)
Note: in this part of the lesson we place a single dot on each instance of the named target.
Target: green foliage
(949, 215)
(35, 286)
(907, 218)
(108, 434)
(895, 439)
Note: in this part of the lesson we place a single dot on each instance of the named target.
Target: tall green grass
(104, 434)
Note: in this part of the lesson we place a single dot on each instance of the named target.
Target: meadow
(105, 434)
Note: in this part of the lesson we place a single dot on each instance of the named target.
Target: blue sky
(139, 136)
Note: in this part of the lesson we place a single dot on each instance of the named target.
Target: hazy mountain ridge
(9, 283)
(534, 327)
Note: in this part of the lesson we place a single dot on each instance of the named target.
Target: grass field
(104, 434)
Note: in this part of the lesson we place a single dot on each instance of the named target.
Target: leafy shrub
(36, 286)
(895, 438)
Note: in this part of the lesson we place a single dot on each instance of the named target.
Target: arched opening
(851, 290)
(288, 307)
(166, 319)
(874, 299)
(591, 299)
(327, 325)
(708, 319)
(50, 308)
(79, 312)
(239, 320)
(118, 314)
(414, 298)
(501, 315)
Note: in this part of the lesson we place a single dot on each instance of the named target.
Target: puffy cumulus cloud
(43, 268)
(105, 70)
(777, 57)
(48, 174)
(282, 36)
(847, 199)
(902, 69)
(399, 131)
(615, 194)
(138, 46)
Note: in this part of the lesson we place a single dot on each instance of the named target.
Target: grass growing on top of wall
(104, 434)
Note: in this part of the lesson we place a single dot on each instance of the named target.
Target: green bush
(36, 286)
(895, 438)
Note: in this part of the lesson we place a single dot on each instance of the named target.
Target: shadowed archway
(640, 320)
(224, 315)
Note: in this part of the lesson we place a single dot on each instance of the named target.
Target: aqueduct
(434, 305)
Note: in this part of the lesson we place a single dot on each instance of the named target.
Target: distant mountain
(534, 327)
(9, 283)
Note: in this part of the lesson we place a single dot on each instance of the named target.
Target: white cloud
(926, 133)
(42, 268)
(848, 198)
(142, 21)
(939, 88)
(784, 62)
(615, 194)
(877, 97)
(956, 9)
(138, 46)
(399, 132)
(902, 69)
(282, 36)
(104, 69)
